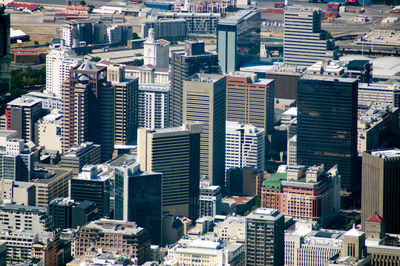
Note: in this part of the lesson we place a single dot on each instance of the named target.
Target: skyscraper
(138, 196)
(244, 146)
(327, 125)
(175, 152)
(88, 109)
(59, 62)
(22, 114)
(265, 234)
(5, 60)
(250, 100)
(204, 101)
(238, 39)
(126, 104)
(381, 188)
(304, 41)
(183, 65)
(154, 105)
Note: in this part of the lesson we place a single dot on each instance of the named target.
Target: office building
(232, 229)
(246, 180)
(376, 126)
(238, 39)
(5, 60)
(311, 194)
(49, 101)
(138, 196)
(68, 213)
(16, 162)
(122, 238)
(51, 182)
(126, 105)
(22, 114)
(292, 151)
(265, 237)
(210, 199)
(88, 109)
(156, 52)
(154, 105)
(30, 219)
(164, 27)
(207, 252)
(380, 172)
(25, 247)
(304, 246)
(78, 156)
(17, 192)
(93, 184)
(175, 152)
(304, 41)
(59, 62)
(49, 131)
(204, 101)
(327, 126)
(250, 100)
(196, 23)
(244, 146)
(380, 93)
(183, 65)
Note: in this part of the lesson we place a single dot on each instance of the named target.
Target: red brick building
(305, 194)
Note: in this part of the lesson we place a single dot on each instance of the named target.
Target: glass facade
(327, 125)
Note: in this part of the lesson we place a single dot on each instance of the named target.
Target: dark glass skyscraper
(4, 51)
(327, 125)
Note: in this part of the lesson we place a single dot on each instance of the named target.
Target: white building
(156, 52)
(204, 252)
(244, 146)
(17, 192)
(153, 105)
(58, 65)
(49, 131)
(50, 101)
(210, 199)
(233, 229)
(292, 151)
(305, 246)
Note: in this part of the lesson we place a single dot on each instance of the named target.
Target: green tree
(137, 62)
(95, 59)
(135, 36)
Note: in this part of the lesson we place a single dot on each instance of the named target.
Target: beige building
(204, 101)
(51, 182)
(172, 151)
(18, 192)
(49, 132)
(30, 219)
(232, 229)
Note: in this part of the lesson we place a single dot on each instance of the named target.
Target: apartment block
(79, 156)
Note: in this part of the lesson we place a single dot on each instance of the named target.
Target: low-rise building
(232, 229)
(121, 238)
(24, 218)
(18, 192)
(375, 125)
(49, 131)
(51, 182)
(307, 194)
(201, 251)
(78, 156)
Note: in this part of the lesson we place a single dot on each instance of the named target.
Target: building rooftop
(385, 154)
(264, 214)
(23, 208)
(125, 159)
(114, 227)
(240, 199)
(354, 232)
(24, 101)
(274, 181)
(238, 17)
(46, 174)
(375, 218)
(328, 78)
(292, 111)
(8, 133)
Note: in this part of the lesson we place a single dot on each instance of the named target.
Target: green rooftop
(274, 181)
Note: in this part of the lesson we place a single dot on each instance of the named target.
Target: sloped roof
(375, 218)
